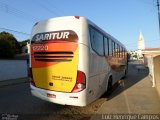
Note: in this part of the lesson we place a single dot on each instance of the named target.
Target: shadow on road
(134, 76)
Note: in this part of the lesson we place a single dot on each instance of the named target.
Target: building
(141, 45)
(26, 48)
(25, 53)
(152, 61)
(137, 54)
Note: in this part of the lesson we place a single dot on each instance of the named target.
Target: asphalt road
(16, 101)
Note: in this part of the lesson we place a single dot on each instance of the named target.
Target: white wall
(13, 69)
(150, 65)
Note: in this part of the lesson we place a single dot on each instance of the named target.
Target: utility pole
(158, 15)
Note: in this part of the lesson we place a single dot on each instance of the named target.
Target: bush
(6, 50)
(9, 46)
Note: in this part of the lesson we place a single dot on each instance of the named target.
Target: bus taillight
(81, 82)
(30, 75)
(77, 17)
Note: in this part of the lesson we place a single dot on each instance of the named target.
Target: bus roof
(89, 23)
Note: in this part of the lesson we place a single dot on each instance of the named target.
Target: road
(17, 101)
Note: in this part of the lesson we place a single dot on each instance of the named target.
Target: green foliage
(135, 56)
(8, 45)
(23, 43)
(6, 50)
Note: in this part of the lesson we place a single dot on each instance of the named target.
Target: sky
(123, 19)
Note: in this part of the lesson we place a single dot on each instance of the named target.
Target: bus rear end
(54, 61)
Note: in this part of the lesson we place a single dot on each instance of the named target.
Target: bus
(73, 61)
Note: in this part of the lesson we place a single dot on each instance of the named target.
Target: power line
(15, 31)
(58, 9)
(11, 10)
(48, 9)
(158, 14)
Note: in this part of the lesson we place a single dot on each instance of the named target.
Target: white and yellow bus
(73, 61)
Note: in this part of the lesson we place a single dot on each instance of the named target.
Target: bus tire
(125, 73)
(109, 87)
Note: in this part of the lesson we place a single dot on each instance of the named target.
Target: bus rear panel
(55, 76)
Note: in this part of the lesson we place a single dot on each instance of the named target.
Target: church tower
(141, 44)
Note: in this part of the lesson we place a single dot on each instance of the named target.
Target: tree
(9, 46)
(135, 56)
(23, 43)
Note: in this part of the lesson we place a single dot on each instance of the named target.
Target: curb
(14, 81)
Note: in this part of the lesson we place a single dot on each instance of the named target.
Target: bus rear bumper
(75, 99)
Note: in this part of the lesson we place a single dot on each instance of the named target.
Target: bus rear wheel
(109, 87)
(125, 73)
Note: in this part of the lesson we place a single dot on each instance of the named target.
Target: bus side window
(116, 50)
(106, 46)
(113, 49)
(120, 52)
(91, 35)
(97, 42)
(123, 53)
(110, 47)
